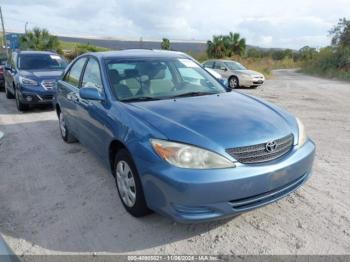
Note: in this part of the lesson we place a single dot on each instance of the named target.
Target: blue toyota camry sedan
(176, 140)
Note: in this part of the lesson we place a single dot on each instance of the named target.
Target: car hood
(41, 74)
(226, 120)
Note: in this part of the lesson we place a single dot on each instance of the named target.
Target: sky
(269, 23)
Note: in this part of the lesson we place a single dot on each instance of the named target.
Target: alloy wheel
(233, 82)
(126, 183)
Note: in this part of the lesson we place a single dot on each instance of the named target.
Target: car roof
(220, 60)
(140, 53)
(35, 52)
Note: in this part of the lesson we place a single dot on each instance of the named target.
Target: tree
(235, 44)
(40, 39)
(307, 52)
(226, 45)
(165, 45)
(341, 33)
(217, 47)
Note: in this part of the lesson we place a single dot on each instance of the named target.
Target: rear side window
(92, 75)
(73, 75)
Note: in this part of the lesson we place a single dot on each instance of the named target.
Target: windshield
(235, 66)
(154, 79)
(41, 61)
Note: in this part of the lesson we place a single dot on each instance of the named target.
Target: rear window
(41, 61)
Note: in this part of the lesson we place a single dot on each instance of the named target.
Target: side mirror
(90, 93)
(223, 68)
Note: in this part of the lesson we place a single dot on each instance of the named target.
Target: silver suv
(235, 73)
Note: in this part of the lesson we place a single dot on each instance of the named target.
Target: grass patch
(70, 46)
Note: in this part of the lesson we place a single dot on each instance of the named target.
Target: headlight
(186, 156)
(27, 81)
(302, 133)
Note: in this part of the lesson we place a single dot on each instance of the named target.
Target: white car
(235, 73)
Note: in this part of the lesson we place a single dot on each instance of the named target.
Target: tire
(233, 82)
(20, 106)
(66, 135)
(129, 185)
(8, 94)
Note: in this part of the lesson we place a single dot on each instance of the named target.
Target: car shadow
(8, 107)
(59, 197)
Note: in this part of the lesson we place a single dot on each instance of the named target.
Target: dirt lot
(57, 198)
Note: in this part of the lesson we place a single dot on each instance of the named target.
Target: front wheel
(129, 185)
(233, 82)
(20, 106)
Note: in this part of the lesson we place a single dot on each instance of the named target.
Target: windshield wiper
(194, 94)
(140, 98)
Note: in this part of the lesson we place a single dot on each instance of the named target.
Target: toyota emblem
(270, 146)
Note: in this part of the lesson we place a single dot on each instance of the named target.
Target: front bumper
(200, 195)
(35, 96)
(251, 81)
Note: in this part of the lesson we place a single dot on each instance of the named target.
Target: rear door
(68, 94)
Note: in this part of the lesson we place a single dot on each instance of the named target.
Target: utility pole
(3, 33)
(25, 28)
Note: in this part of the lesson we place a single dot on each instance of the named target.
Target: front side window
(73, 75)
(154, 79)
(219, 65)
(92, 75)
(41, 61)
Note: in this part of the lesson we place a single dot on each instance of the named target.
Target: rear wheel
(129, 185)
(20, 106)
(66, 135)
(233, 82)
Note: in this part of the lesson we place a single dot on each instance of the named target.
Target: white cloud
(266, 40)
(270, 23)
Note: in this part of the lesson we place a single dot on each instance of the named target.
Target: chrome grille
(48, 84)
(258, 153)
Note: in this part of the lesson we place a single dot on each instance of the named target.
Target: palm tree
(236, 45)
(217, 47)
(40, 39)
(165, 44)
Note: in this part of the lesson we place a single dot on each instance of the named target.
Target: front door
(93, 114)
(68, 93)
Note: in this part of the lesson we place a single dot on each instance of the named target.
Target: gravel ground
(57, 198)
